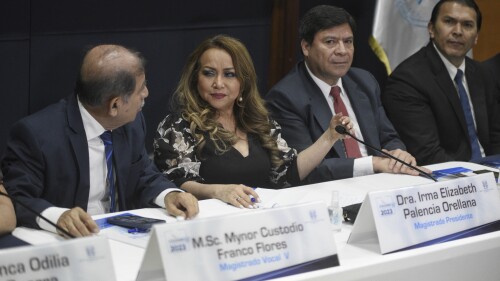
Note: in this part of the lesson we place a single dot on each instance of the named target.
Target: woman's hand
(344, 121)
(237, 195)
(309, 158)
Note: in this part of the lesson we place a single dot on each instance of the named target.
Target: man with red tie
(324, 84)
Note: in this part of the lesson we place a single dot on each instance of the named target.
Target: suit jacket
(422, 101)
(299, 106)
(493, 65)
(46, 163)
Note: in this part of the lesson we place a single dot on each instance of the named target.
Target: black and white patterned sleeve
(287, 174)
(175, 151)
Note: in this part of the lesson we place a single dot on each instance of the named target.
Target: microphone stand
(341, 130)
(65, 232)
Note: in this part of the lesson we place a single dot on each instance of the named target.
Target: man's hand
(181, 204)
(397, 167)
(389, 165)
(77, 222)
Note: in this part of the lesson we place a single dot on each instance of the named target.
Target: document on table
(273, 198)
(458, 172)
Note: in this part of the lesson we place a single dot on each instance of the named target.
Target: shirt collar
(324, 87)
(92, 128)
(452, 70)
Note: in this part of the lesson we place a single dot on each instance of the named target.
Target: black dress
(175, 155)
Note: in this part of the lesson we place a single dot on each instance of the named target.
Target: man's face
(455, 31)
(129, 108)
(330, 55)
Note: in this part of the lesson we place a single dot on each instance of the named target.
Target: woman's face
(217, 80)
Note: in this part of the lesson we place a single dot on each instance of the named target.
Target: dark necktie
(108, 149)
(351, 146)
(464, 100)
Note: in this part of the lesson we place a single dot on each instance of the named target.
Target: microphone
(38, 214)
(342, 130)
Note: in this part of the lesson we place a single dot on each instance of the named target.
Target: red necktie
(351, 146)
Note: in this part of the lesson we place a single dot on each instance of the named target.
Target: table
(472, 258)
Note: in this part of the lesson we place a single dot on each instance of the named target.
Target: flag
(400, 29)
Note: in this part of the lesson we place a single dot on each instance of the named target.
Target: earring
(238, 101)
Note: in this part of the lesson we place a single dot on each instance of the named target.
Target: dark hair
(468, 3)
(97, 83)
(323, 17)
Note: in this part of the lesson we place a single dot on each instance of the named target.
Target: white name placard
(404, 217)
(242, 245)
(83, 259)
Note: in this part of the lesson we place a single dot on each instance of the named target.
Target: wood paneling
(489, 37)
(283, 50)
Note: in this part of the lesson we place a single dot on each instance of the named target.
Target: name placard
(85, 259)
(404, 217)
(265, 242)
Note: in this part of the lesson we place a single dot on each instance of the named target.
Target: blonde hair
(250, 113)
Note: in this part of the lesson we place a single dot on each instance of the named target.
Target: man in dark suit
(493, 65)
(56, 161)
(423, 94)
(301, 102)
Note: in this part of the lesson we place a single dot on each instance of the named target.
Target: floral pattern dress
(175, 154)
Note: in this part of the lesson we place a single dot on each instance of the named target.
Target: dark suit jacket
(47, 163)
(493, 65)
(299, 106)
(423, 104)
